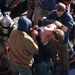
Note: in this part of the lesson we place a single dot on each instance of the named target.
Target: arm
(61, 26)
(32, 46)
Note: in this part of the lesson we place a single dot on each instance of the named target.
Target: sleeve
(49, 16)
(32, 46)
(69, 22)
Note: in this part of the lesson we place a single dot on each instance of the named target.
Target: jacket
(22, 48)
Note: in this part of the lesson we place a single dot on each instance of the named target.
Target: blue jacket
(66, 19)
(48, 5)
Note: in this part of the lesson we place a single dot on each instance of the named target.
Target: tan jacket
(22, 48)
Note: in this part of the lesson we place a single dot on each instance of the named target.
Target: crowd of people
(34, 46)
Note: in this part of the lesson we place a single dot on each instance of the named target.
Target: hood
(24, 24)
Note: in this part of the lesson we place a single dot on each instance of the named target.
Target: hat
(24, 24)
(59, 34)
(60, 6)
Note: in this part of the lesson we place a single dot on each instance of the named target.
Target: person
(66, 2)
(30, 10)
(48, 32)
(33, 11)
(22, 48)
(64, 21)
(42, 8)
(42, 63)
(71, 6)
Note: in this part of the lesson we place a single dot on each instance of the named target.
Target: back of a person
(17, 46)
(22, 46)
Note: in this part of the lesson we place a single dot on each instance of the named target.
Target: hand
(58, 24)
(34, 34)
(42, 19)
(34, 27)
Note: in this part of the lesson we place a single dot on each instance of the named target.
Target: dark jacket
(48, 5)
(66, 19)
(44, 52)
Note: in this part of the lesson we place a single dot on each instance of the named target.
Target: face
(59, 13)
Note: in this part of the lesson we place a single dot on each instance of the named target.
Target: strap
(15, 5)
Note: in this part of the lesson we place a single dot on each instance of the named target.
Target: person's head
(58, 35)
(24, 24)
(61, 9)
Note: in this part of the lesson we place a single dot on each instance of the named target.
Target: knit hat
(24, 24)
(59, 34)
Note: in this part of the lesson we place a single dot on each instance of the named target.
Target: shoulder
(68, 16)
(28, 37)
(53, 12)
(13, 32)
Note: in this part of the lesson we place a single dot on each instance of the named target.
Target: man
(42, 62)
(22, 48)
(64, 21)
(49, 32)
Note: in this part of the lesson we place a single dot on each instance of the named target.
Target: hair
(60, 7)
(59, 34)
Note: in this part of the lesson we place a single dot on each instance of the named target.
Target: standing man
(64, 21)
(22, 48)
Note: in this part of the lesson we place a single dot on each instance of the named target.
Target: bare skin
(45, 33)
